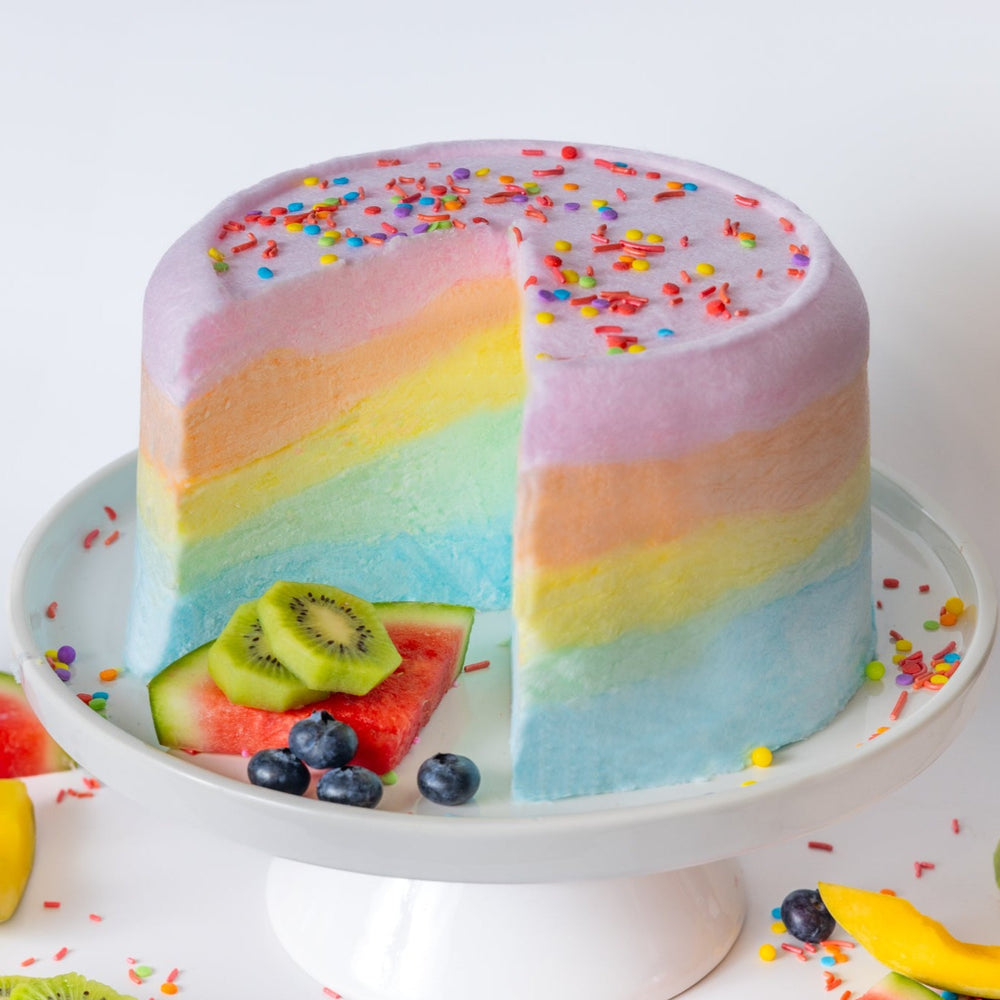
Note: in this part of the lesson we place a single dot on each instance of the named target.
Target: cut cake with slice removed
(191, 713)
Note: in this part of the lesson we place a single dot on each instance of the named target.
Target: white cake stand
(634, 896)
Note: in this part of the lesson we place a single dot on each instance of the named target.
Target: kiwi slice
(329, 639)
(244, 665)
(71, 986)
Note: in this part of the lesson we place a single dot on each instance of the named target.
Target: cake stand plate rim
(605, 836)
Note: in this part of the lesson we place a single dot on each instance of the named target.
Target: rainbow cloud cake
(623, 394)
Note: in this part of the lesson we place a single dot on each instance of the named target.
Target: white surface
(496, 839)
(123, 122)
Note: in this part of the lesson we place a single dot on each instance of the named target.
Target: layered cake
(622, 394)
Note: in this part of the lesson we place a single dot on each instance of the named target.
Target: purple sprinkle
(903, 679)
(800, 259)
(422, 228)
(519, 197)
(544, 293)
(63, 674)
(572, 206)
(402, 211)
(66, 654)
(460, 173)
(601, 303)
(609, 213)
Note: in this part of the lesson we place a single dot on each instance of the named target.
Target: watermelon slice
(897, 987)
(191, 713)
(25, 746)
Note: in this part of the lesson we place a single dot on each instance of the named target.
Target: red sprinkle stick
(820, 845)
(898, 707)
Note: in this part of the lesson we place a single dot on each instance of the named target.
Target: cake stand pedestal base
(371, 937)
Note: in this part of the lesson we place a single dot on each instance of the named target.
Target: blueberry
(350, 786)
(449, 779)
(806, 917)
(322, 742)
(279, 769)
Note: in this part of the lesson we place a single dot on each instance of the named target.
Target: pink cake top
(624, 257)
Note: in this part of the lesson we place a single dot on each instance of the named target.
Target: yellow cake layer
(285, 395)
(594, 602)
(420, 403)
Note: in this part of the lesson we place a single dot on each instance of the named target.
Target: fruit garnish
(806, 917)
(321, 741)
(330, 640)
(279, 769)
(25, 746)
(897, 987)
(350, 786)
(70, 986)
(243, 663)
(911, 943)
(17, 843)
(448, 779)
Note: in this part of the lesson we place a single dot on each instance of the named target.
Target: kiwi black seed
(328, 638)
(243, 664)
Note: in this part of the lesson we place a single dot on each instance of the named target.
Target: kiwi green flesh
(71, 986)
(329, 639)
(243, 664)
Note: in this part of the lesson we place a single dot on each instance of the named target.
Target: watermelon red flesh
(191, 713)
(898, 987)
(25, 746)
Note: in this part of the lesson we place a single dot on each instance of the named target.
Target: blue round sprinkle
(100, 694)
(350, 195)
(295, 206)
(690, 187)
(312, 230)
(426, 200)
(562, 293)
(828, 960)
(341, 180)
(776, 913)
(265, 272)
(355, 241)
(664, 332)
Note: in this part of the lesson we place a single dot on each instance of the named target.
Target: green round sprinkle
(875, 670)
(932, 625)
(144, 970)
(615, 350)
(326, 241)
(221, 266)
(389, 778)
(587, 281)
(97, 704)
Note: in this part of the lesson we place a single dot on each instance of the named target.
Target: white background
(122, 123)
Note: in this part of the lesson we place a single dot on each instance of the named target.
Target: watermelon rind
(26, 748)
(896, 986)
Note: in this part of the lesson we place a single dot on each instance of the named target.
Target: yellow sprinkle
(768, 952)
(542, 356)
(329, 258)
(505, 179)
(633, 234)
(778, 927)
(310, 181)
(640, 264)
(598, 202)
(954, 605)
(749, 781)
(571, 276)
(216, 254)
(654, 238)
(635, 348)
(334, 234)
(562, 245)
(904, 645)
(704, 268)
(588, 311)
(937, 679)
(761, 757)
(294, 227)
(544, 317)
(482, 171)
(109, 674)
(570, 186)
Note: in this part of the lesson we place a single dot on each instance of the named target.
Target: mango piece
(896, 933)
(17, 843)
